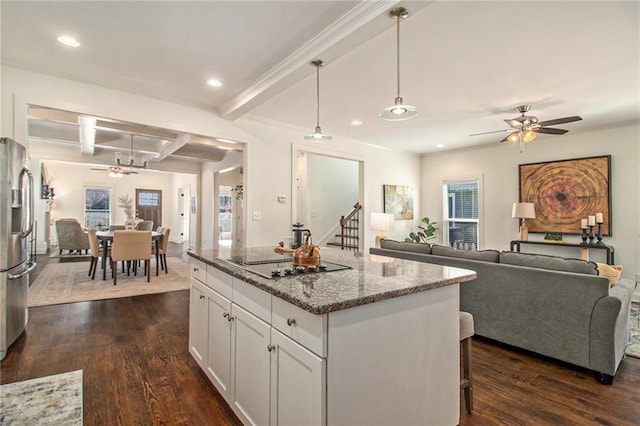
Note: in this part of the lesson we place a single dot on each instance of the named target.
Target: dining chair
(145, 225)
(96, 252)
(162, 250)
(117, 227)
(131, 246)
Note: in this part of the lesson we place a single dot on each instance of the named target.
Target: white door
(297, 384)
(250, 364)
(219, 342)
(198, 322)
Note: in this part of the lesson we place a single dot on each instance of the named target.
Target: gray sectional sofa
(553, 306)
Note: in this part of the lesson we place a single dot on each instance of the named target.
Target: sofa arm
(609, 333)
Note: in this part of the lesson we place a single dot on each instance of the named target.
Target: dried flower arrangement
(126, 203)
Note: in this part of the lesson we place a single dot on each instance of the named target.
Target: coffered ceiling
(465, 65)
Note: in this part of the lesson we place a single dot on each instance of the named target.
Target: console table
(515, 246)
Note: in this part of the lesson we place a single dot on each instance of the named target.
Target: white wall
(332, 189)
(498, 164)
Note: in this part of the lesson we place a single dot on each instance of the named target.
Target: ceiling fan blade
(101, 170)
(560, 121)
(486, 133)
(550, 131)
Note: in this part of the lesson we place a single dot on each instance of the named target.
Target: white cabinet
(220, 321)
(251, 354)
(297, 384)
(198, 322)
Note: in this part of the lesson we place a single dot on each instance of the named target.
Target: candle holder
(592, 236)
(599, 235)
(584, 237)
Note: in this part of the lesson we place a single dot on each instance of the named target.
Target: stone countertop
(371, 278)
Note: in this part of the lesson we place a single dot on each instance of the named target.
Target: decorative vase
(130, 223)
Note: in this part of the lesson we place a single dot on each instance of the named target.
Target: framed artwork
(565, 191)
(398, 199)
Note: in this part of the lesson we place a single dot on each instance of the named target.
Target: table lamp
(523, 211)
(381, 222)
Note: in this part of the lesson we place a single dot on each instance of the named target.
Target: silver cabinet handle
(270, 347)
(202, 296)
(291, 321)
(195, 269)
(225, 315)
(228, 316)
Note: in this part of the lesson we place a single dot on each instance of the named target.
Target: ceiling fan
(525, 129)
(117, 170)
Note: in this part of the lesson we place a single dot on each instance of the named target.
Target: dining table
(106, 238)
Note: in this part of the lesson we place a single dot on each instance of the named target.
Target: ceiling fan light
(115, 173)
(529, 136)
(514, 137)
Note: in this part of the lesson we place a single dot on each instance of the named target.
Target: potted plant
(425, 233)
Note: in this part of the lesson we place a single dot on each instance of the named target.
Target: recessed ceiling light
(440, 145)
(68, 41)
(356, 122)
(214, 83)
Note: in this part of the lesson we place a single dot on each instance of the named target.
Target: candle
(592, 221)
(599, 218)
(583, 223)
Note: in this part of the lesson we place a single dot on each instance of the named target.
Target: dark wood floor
(137, 371)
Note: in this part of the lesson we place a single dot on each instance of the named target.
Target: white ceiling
(465, 65)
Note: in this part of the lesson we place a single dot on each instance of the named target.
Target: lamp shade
(382, 221)
(523, 211)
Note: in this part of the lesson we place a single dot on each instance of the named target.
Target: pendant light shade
(399, 110)
(317, 135)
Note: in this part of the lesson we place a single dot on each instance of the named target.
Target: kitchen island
(374, 343)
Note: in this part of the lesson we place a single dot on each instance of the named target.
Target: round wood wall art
(563, 192)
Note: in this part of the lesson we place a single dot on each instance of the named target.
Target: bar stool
(466, 332)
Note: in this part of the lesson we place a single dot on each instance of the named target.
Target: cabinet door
(218, 364)
(198, 322)
(297, 384)
(250, 365)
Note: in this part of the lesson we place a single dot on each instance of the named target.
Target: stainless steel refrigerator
(16, 224)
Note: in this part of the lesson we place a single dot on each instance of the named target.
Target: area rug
(68, 283)
(51, 400)
(633, 348)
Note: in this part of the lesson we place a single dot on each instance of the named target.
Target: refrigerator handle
(23, 273)
(27, 212)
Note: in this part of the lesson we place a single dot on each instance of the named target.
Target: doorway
(225, 216)
(149, 205)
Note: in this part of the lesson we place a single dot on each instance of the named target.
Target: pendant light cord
(317, 94)
(398, 53)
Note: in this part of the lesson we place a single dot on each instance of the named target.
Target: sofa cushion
(404, 246)
(610, 271)
(482, 255)
(554, 263)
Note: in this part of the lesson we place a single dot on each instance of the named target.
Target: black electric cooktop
(274, 268)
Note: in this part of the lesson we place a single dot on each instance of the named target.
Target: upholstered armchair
(71, 236)
(145, 225)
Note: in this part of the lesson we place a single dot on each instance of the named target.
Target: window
(461, 212)
(97, 207)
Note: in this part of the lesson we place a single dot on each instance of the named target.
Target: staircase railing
(350, 228)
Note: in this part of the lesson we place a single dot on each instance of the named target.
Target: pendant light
(317, 135)
(398, 111)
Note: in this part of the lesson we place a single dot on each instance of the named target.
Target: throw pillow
(610, 271)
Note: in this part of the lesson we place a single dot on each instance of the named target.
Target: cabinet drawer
(199, 270)
(220, 281)
(253, 299)
(308, 329)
